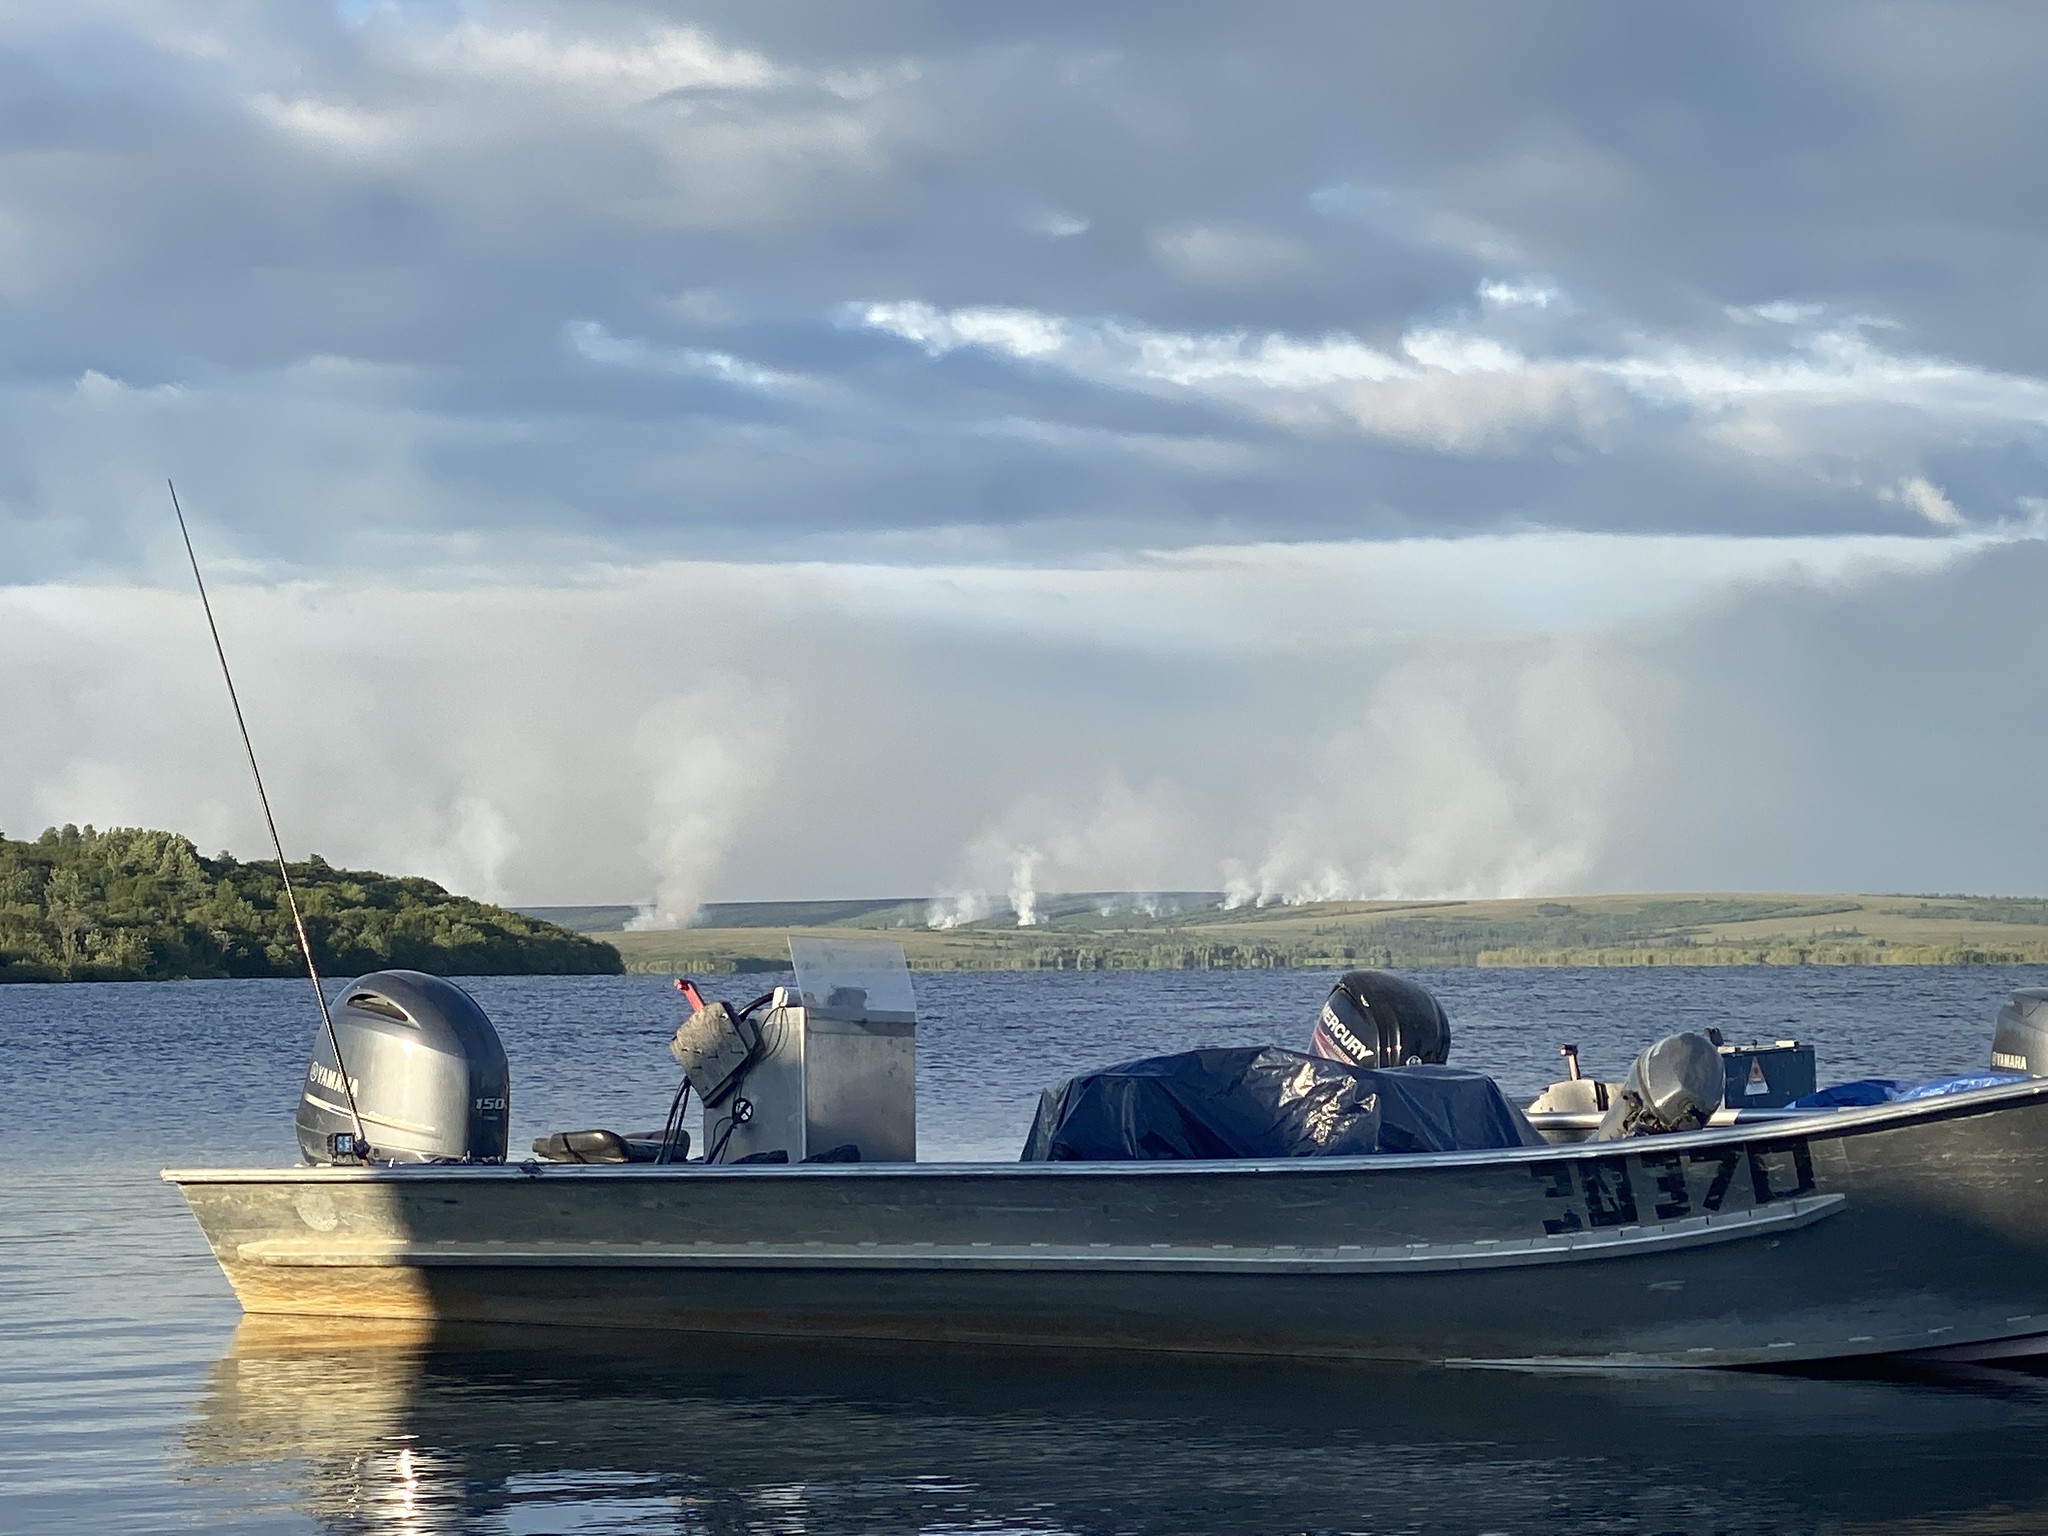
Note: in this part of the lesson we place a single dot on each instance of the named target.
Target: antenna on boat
(277, 843)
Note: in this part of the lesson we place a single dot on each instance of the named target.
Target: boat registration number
(1617, 1191)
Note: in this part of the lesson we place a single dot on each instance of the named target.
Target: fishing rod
(290, 897)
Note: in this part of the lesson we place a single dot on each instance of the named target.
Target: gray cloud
(448, 199)
(1118, 388)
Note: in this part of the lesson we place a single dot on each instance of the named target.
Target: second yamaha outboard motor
(1678, 1084)
(1375, 1019)
(426, 1067)
(2020, 1042)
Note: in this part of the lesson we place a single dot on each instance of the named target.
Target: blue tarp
(1899, 1090)
(1263, 1101)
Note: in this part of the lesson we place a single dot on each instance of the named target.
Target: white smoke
(1023, 890)
(473, 856)
(955, 908)
(1119, 840)
(1458, 780)
(972, 903)
(1488, 773)
(1137, 902)
(707, 760)
(574, 767)
(571, 768)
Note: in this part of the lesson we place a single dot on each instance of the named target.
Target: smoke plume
(707, 763)
(1460, 778)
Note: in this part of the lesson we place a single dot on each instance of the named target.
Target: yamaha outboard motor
(1678, 1084)
(2020, 1042)
(1376, 1019)
(426, 1067)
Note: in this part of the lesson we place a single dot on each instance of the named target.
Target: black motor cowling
(1376, 1019)
(2020, 1041)
(426, 1067)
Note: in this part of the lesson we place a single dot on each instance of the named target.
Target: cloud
(1406, 215)
(1446, 389)
(1101, 229)
(1053, 223)
(1221, 257)
(1529, 293)
(659, 59)
(1929, 500)
(592, 341)
(334, 125)
(1455, 386)
(1803, 716)
(1778, 312)
(1116, 371)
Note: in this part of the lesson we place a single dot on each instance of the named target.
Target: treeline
(129, 904)
(1791, 952)
(1427, 956)
(1453, 940)
(1042, 957)
(1985, 909)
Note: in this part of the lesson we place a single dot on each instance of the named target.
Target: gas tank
(426, 1067)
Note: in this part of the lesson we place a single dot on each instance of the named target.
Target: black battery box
(1768, 1076)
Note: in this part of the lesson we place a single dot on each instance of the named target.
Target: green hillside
(135, 905)
(1193, 930)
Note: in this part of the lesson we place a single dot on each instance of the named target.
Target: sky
(663, 454)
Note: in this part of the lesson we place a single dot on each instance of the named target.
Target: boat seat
(598, 1146)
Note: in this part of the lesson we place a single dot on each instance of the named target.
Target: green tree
(131, 903)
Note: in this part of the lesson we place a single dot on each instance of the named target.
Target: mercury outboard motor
(426, 1067)
(2020, 1042)
(1678, 1084)
(1376, 1019)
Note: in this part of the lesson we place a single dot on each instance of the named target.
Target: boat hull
(1899, 1229)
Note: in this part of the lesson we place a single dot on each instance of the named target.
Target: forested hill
(133, 905)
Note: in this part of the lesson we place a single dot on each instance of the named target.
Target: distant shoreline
(1194, 931)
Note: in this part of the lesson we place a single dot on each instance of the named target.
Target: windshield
(854, 979)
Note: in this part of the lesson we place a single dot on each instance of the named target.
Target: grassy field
(1191, 930)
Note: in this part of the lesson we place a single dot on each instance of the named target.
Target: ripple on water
(130, 1402)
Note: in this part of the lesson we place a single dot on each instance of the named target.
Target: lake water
(131, 1400)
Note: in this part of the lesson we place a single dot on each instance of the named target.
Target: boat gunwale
(1819, 1125)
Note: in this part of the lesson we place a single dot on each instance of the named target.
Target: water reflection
(371, 1428)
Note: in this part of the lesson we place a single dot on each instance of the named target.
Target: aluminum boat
(1911, 1228)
